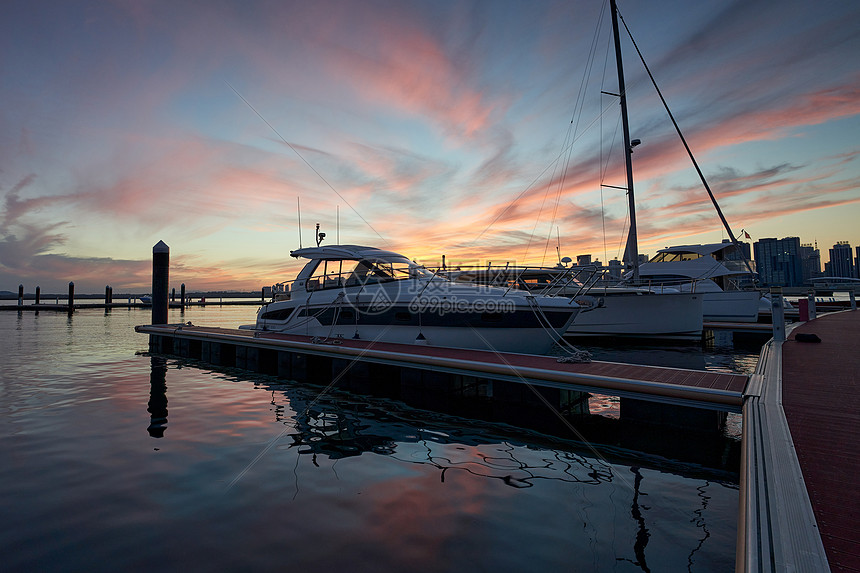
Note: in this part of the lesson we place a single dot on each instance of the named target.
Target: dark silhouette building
(778, 261)
(841, 260)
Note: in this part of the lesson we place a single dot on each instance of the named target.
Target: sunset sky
(472, 129)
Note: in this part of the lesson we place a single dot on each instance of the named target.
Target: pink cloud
(404, 68)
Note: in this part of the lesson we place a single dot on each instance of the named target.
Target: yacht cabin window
(348, 272)
(670, 257)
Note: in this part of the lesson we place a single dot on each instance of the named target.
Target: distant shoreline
(7, 295)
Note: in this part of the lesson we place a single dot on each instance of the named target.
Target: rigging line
(605, 165)
(296, 151)
(577, 116)
(551, 164)
(540, 211)
(539, 175)
(689, 151)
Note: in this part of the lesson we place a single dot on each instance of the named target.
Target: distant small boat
(829, 285)
(146, 299)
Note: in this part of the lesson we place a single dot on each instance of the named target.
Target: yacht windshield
(347, 273)
(672, 257)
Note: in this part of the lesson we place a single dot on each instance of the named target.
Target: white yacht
(351, 291)
(714, 270)
(607, 311)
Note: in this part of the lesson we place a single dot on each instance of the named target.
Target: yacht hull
(519, 329)
(676, 316)
(516, 340)
(731, 306)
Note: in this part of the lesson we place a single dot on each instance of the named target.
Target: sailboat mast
(632, 250)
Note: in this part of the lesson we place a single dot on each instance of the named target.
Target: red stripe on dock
(673, 376)
(821, 399)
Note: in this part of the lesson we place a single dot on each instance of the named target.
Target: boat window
(351, 272)
(327, 274)
(667, 279)
(670, 257)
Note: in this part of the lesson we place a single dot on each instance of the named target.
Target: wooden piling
(20, 295)
(160, 277)
(71, 297)
(182, 295)
(38, 294)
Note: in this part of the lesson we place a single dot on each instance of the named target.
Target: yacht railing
(566, 281)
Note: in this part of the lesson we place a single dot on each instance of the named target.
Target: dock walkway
(821, 399)
(801, 454)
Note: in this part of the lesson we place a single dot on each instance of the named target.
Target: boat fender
(806, 337)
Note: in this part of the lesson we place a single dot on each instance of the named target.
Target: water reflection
(157, 406)
(642, 534)
(326, 427)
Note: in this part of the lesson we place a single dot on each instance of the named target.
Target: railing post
(853, 296)
(812, 314)
(777, 314)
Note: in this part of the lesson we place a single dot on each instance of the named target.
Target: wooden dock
(670, 385)
(821, 399)
(801, 452)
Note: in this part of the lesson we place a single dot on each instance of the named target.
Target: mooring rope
(574, 355)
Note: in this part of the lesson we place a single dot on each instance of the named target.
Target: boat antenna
(299, 208)
(320, 236)
(687, 147)
(631, 252)
(337, 210)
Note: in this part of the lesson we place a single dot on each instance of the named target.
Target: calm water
(117, 460)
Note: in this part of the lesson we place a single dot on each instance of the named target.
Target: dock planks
(821, 399)
(714, 389)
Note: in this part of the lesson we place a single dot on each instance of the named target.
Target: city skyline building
(810, 261)
(841, 260)
(857, 262)
(778, 261)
